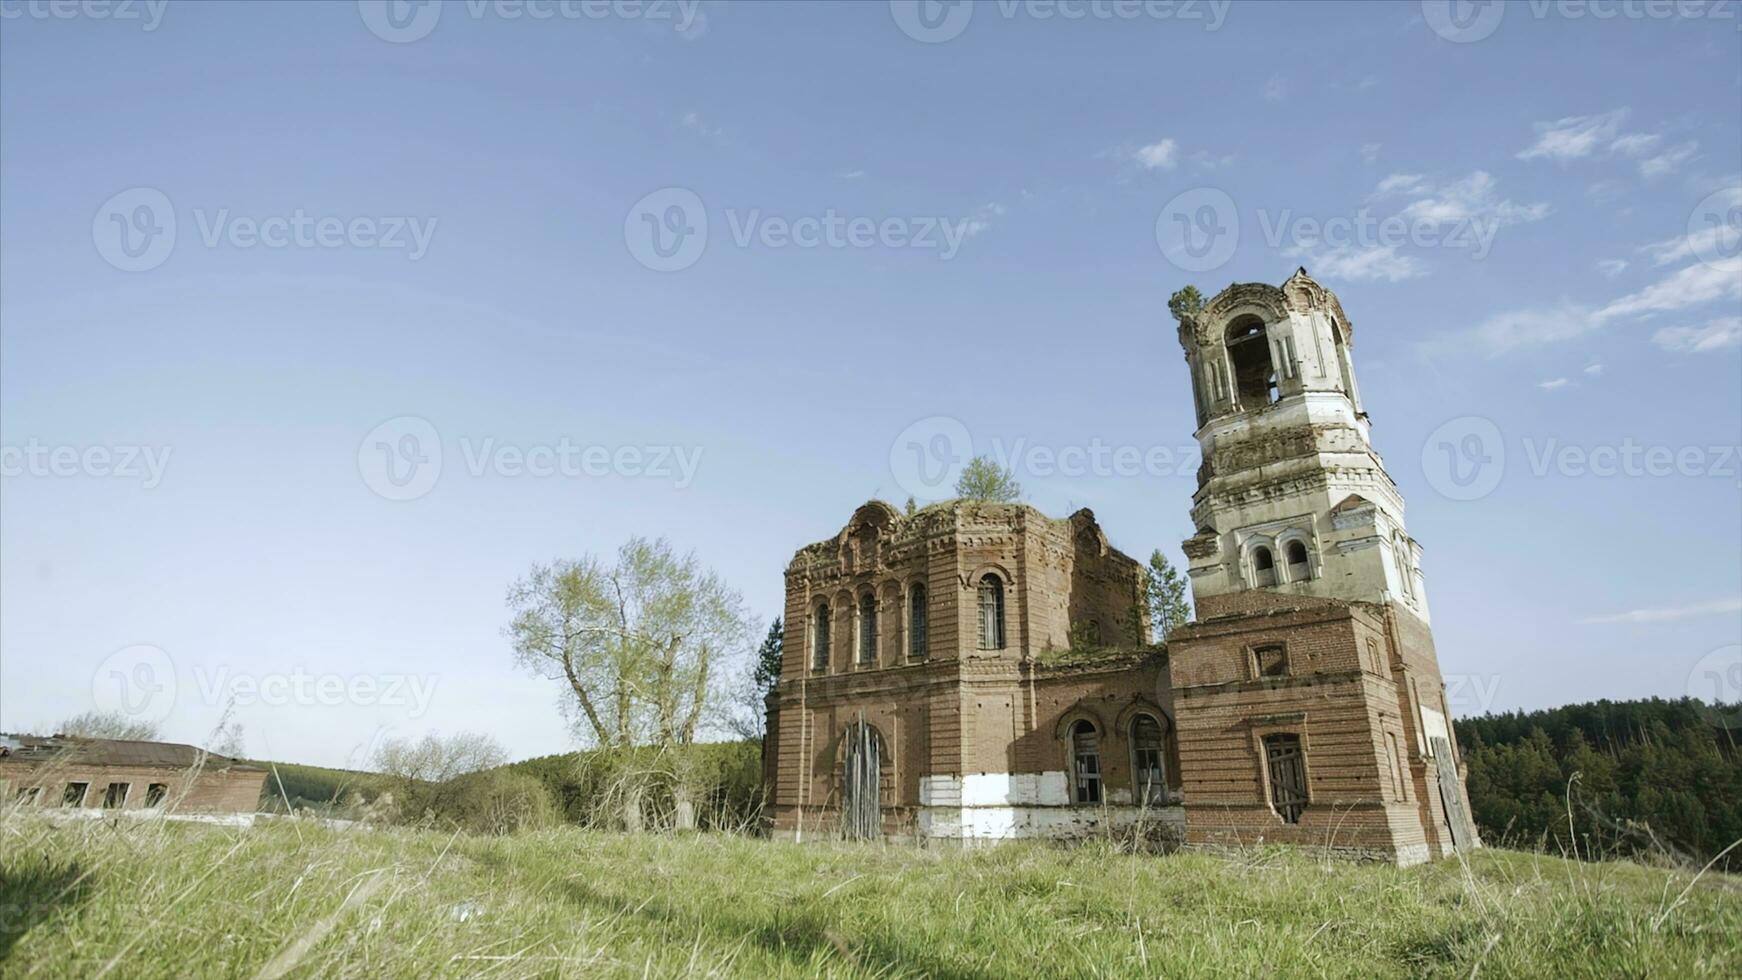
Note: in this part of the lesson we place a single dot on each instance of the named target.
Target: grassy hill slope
(175, 900)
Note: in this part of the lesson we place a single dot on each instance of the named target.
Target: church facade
(978, 671)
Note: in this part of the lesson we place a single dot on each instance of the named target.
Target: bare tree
(108, 724)
(437, 758)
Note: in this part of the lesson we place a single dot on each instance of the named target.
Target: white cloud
(1670, 159)
(982, 219)
(1466, 199)
(1275, 89)
(1716, 238)
(1163, 155)
(1719, 334)
(1670, 613)
(1635, 144)
(1369, 152)
(1402, 184)
(851, 174)
(1357, 263)
(1593, 369)
(1209, 161)
(1610, 268)
(1574, 136)
(1689, 286)
(1552, 385)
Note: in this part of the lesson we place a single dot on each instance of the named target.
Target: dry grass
(133, 899)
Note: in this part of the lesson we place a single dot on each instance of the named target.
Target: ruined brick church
(979, 671)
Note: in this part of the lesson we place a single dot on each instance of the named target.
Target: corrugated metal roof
(65, 749)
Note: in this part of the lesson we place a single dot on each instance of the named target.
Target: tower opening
(1249, 352)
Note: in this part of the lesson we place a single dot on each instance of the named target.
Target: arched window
(991, 613)
(1086, 762)
(1263, 567)
(1299, 569)
(867, 630)
(820, 638)
(1148, 763)
(918, 641)
(1249, 351)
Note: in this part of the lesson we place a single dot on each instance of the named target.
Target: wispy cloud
(1669, 160)
(1610, 268)
(1574, 136)
(1357, 263)
(1719, 334)
(1716, 238)
(850, 174)
(1553, 385)
(1474, 197)
(1275, 89)
(982, 218)
(1369, 152)
(1670, 613)
(1693, 285)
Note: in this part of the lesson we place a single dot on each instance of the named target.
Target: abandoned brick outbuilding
(976, 671)
(68, 772)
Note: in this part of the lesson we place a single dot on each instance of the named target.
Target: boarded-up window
(155, 794)
(867, 630)
(991, 613)
(820, 638)
(1271, 661)
(75, 794)
(1086, 762)
(1148, 763)
(115, 797)
(1287, 765)
(918, 641)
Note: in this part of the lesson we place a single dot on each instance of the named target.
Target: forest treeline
(1609, 778)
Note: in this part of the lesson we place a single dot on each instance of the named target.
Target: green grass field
(134, 899)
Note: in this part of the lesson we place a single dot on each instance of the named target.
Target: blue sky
(397, 236)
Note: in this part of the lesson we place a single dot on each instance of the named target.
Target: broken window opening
(1263, 567)
(1299, 569)
(918, 642)
(115, 796)
(1271, 661)
(1148, 763)
(991, 613)
(1086, 762)
(820, 638)
(75, 794)
(1287, 765)
(1254, 375)
(29, 795)
(155, 794)
(867, 630)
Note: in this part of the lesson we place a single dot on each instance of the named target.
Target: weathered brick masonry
(981, 671)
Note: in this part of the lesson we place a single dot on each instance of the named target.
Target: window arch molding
(1250, 559)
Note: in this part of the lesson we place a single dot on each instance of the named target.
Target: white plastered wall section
(1008, 806)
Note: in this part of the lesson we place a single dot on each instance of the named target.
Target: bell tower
(1310, 701)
